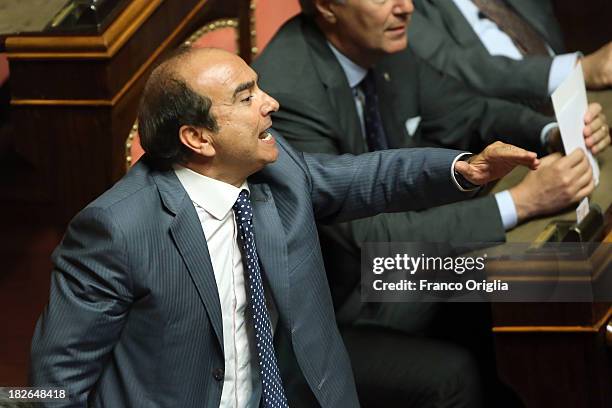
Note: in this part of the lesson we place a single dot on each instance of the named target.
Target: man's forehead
(218, 75)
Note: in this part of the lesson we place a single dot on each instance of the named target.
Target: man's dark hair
(168, 103)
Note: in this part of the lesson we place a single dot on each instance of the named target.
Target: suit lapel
(189, 239)
(338, 90)
(452, 17)
(271, 243)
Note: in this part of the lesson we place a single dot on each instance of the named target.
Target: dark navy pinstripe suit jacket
(134, 318)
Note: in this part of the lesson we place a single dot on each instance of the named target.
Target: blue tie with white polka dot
(272, 386)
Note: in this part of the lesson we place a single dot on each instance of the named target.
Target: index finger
(593, 110)
(520, 156)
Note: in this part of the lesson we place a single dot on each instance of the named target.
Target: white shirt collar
(214, 196)
(354, 73)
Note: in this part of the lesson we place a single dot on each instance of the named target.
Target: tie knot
(242, 207)
(368, 84)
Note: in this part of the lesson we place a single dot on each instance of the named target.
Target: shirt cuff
(560, 69)
(454, 177)
(507, 209)
(545, 131)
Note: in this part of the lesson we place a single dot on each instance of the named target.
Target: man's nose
(269, 104)
(403, 7)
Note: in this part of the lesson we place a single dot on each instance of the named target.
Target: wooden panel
(556, 370)
(549, 314)
(555, 354)
(74, 99)
(92, 72)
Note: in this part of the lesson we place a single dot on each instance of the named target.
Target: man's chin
(269, 157)
(273, 155)
(396, 46)
(392, 46)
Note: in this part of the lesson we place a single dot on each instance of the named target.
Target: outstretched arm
(350, 187)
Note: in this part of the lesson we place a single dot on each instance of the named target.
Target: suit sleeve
(519, 80)
(89, 300)
(348, 187)
(455, 116)
(307, 131)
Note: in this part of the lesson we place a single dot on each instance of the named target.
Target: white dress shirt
(498, 42)
(213, 201)
(355, 74)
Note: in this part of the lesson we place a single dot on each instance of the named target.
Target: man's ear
(197, 140)
(325, 9)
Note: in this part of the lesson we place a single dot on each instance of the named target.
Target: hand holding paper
(596, 129)
(596, 132)
(571, 108)
(570, 103)
(559, 182)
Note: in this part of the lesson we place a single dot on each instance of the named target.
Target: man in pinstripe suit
(148, 297)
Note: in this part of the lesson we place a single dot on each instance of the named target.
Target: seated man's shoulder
(285, 58)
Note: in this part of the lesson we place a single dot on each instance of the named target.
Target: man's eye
(247, 99)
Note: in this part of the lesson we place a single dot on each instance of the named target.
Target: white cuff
(545, 131)
(507, 209)
(560, 69)
(452, 171)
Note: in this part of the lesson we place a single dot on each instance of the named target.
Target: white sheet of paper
(570, 103)
(582, 210)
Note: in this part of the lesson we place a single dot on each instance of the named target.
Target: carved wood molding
(213, 26)
(102, 46)
(129, 142)
(595, 328)
(126, 87)
(252, 30)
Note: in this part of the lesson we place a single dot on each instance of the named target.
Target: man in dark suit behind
(476, 47)
(418, 107)
(168, 287)
(330, 48)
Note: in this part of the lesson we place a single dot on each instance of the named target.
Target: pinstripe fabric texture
(134, 319)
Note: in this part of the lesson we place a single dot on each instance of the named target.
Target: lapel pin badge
(386, 76)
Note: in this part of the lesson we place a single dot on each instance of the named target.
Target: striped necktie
(524, 36)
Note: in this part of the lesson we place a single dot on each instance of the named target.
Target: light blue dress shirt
(498, 42)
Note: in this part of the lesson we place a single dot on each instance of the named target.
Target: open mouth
(266, 137)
